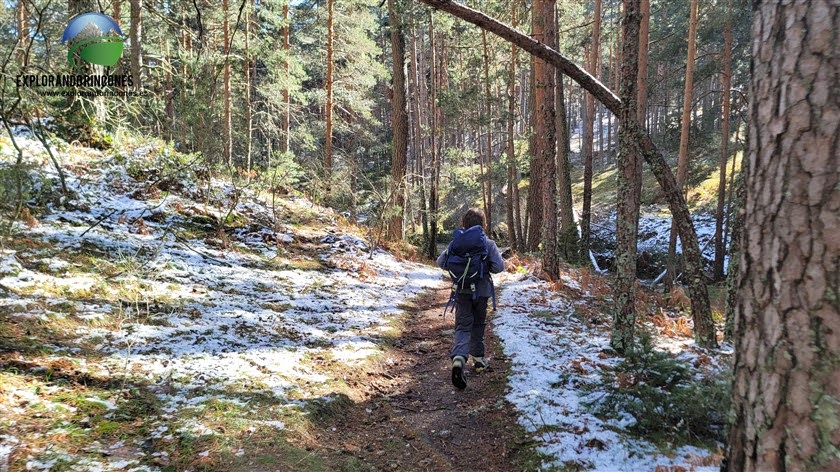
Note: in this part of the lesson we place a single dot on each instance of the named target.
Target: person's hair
(473, 217)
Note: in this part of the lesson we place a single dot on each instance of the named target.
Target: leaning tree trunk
(399, 114)
(627, 201)
(786, 388)
(704, 330)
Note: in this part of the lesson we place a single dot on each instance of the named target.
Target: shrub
(666, 400)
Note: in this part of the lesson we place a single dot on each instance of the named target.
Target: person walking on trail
(470, 259)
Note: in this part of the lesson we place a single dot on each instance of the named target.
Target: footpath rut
(412, 418)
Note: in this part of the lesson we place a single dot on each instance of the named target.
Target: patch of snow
(543, 341)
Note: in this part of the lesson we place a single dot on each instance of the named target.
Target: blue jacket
(496, 264)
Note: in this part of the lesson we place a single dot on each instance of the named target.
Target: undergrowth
(668, 403)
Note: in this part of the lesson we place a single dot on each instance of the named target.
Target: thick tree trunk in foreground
(682, 164)
(703, 325)
(399, 118)
(786, 390)
(624, 318)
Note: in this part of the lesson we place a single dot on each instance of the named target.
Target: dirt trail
(412, 418)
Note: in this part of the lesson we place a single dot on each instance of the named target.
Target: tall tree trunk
(433, 195)
(737, 205)
(399, 155)
(704, 330)
(682, 164)
(488, 210)
(135, 34)
(644, 37)
(169, 95)
(720, 248)
(567, 241)
(419, 145)
(249, 114)
(287, 112)
(513, 233)
(228, 124)
(627, 201)
(23, 32)
(589, 116)
(533, 206)
(328, 85)
(545, 30)
(786, 388)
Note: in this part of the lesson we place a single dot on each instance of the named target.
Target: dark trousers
(470, 321)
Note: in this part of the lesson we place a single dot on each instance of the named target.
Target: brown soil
(410, 417)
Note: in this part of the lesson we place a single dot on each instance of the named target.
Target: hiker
(470, 259)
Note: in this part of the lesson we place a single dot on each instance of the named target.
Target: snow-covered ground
(654, 235)
(193, 321)
(554, 356)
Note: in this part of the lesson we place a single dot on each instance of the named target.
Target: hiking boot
(459, 378)
(479, 364)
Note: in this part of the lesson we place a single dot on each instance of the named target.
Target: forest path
(412, 417)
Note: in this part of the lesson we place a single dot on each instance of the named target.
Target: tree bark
(720, 248)
(513, 236)
(433, 187)
(545, 229)
(533, 209)
(328, 85)
(567, 237)
(399, 118)
(419, 139)
(644, 37)
(588, 132)
(249, 114)
(682, 164)
(786, 387)
(567, 244)
(22, 17)
(135, 34)
(116, 11)
(488, 210)
(228, 125)
(703, 325)
(627, 201)
(287, 131)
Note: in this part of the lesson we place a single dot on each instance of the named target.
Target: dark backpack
(466, 261)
